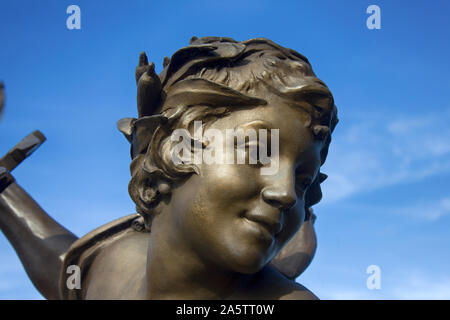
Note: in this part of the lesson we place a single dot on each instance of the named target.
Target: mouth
(270, 225)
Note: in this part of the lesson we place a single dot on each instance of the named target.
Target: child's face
(234, 216)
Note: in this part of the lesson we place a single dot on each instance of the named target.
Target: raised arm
(40, 241)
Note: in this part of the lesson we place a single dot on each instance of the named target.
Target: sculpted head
(229, 214)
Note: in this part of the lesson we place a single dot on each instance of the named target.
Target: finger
(143, 60)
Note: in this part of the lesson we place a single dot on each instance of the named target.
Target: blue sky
(387, 199)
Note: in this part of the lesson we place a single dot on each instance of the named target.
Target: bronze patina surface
(202, 230)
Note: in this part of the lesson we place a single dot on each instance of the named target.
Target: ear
(142, 193)
(147, 190)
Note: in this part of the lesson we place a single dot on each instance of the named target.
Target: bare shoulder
(111, 259)
(118, 271)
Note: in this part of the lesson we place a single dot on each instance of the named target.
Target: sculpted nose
(281, 197)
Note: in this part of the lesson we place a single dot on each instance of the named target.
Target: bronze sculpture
(202, 230)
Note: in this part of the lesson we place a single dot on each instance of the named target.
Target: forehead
(277, 113)
(291, 121)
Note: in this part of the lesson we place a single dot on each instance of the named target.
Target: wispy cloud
(417, 285)
(414, 285)
(371, 153)
(429, 211)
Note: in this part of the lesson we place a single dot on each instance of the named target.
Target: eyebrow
(255, 124)
(316, 94)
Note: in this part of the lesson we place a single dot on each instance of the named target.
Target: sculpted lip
(272, 225)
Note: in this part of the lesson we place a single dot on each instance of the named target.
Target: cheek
(229, 183)
(216, 197)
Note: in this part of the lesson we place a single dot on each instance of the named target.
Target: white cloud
(431, 212)
(413, 285)
(375, 152)
(406, 126)
(420, 286)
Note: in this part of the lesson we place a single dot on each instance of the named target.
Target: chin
(248, 255)
(249, 268)
(249, 262)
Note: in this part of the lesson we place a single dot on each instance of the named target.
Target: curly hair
(205, 81)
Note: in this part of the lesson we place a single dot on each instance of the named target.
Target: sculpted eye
(252, 154)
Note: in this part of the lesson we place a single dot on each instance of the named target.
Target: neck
(176, 271)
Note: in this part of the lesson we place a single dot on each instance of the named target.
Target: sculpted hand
(149, 87)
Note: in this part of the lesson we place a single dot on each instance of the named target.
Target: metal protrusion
(5, 179)
(22, 150)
